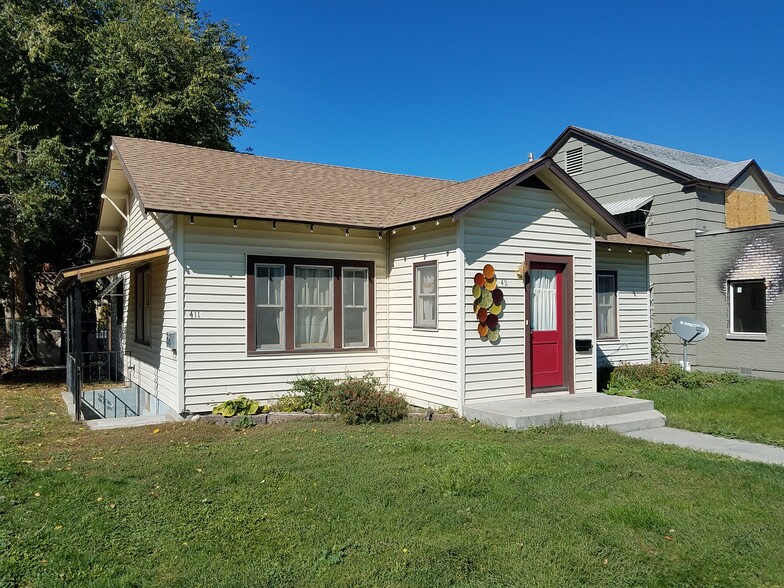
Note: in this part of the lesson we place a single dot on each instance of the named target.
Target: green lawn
(411, 504)
(753, 410)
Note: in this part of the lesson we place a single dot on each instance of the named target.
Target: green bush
(656, 375)
(659, 351)
(307, 392)
(365, 400)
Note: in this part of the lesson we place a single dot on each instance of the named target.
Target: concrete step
(626, 423)
(522, 413)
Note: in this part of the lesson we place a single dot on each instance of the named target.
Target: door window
(543, 300)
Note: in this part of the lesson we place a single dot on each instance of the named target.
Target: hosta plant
(237, 406)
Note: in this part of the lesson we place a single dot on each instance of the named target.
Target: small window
(573, 159)
(747, 307)
(606, 305)
(426, 295)
(270, 306)
(355, 307)
(313, 307)
(142, 298)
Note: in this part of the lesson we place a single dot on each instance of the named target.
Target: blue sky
(458, 89)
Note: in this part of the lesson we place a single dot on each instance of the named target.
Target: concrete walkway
(745, 450)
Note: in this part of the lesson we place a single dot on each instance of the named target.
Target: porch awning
(101, 269)
(628, 205)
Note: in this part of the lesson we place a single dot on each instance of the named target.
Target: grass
(410, 504)
(753, 410)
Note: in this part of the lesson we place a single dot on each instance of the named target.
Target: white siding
(674, 218)
(634, 341)
(501, 231)
(152, 367)
(423, 364)
(216, 363)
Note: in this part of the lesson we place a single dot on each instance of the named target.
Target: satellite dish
(690, 329)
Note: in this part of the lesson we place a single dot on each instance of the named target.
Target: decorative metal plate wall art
(488, 303)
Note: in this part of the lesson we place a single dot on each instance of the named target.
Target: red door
(546, 325)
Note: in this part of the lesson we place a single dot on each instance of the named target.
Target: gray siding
(674, 215)
(741, 254)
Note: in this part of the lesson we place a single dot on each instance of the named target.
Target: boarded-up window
(747, 306)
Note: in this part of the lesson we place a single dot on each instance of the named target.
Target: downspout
(460, 315)
(594, 376)
(388, 242)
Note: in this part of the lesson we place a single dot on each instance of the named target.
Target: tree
(73, 73)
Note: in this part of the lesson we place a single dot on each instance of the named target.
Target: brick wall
(741, 254)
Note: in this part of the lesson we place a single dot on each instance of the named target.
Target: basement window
(747, 307)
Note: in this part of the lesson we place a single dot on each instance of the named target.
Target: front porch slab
(596, 410)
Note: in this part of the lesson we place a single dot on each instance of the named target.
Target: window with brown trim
(606, 305)
(308, 304)
(426, 295)
(142, 305)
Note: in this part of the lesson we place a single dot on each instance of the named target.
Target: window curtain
(269, 306)
(543, 300)
(313, 312)
(605, 303)
(355, 312)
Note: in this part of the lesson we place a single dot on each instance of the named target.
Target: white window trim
(617, 336)
(282, 344)
(331, 343)
(743, 335)
(366, 323)
(428, 327)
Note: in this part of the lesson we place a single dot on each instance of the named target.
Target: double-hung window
(142, 306)
(426, 295)
(606, 305)
(297, 305)
(747, 307)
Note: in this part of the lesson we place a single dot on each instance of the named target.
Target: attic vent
(574, 161)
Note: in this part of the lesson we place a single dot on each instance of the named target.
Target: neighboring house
(244, 272)
(727, 214)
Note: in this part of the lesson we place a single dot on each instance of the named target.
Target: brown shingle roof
(634, 240)
(193, 180)
(168, 177)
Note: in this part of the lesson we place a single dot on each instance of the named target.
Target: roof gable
(683, 166)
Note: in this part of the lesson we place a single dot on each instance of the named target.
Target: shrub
(659, 351)
(664, 375)
(236, 406)
(307, 392)
(365, 400)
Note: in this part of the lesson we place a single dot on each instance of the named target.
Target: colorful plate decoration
(493, 336)
(486, 301)
(492, 322)
(482, 328)
(490, 285)
(482, 315)
(488, 271)
(498, 296)
(495, 309)
(479, 279)
(476, 291)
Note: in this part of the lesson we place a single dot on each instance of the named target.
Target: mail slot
(583, 344)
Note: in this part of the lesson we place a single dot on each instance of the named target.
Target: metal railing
(73, 382)
(102, 366)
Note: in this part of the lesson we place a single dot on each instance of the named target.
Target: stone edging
(270, 418)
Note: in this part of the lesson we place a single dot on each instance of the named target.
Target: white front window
(313, 307)
(426, 295)
(270, 306)
(356, 318)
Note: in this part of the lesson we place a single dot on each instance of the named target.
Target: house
(243, 272)
(727, 214)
